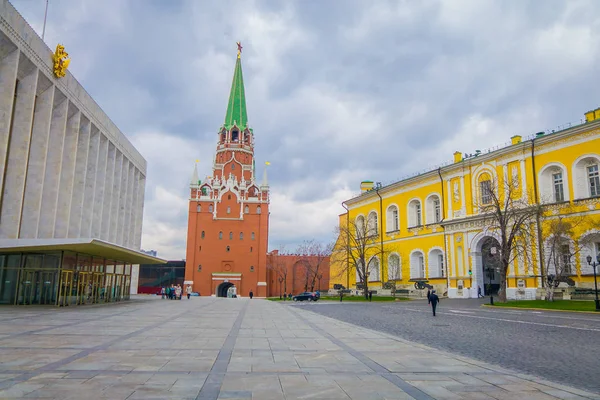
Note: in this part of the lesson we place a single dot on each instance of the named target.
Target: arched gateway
(488, 264)
(226, 289)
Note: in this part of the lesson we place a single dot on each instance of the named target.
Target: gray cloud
(337, 91)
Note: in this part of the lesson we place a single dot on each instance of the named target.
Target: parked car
(310, 296)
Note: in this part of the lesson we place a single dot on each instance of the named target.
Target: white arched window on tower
(258, 210)
(436, 263)
(414, 213)
(392, 223)
(374, 270)
(417, 265)
(394, 272)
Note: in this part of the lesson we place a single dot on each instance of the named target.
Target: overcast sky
(337, 91)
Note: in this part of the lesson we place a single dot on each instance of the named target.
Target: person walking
(434, 300)
(188, 291)
(162, 292)
(370, 295)
(428, 296)
(284, 296)
(251, 295)
(479, 292)
(178, 292)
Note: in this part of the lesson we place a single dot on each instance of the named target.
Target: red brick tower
(228, 221)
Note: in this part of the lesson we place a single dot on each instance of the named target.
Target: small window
(594, 179)
(199, 267)
(250, 249)
(252, 268)
(232, 168)
(258, 210)
(234, 136)
(200, 248)
(202, 235)
(228, 210)
(246, 210)
(220, 235)
(241, 235)
(437, 210)
(198, 208)
(565, 253)
(485, 188)
(230, 235)
(252, 235)
(210, 208)
(557, 180)
(228, 197)
(228, 249)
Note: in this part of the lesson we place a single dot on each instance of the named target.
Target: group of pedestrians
(174, 292)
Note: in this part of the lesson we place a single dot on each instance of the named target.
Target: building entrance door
(37, 287)
(66, 288)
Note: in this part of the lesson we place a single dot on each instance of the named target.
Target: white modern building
(71, 183)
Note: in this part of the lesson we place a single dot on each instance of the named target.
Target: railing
(559, 128)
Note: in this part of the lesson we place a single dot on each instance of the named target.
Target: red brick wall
(296, 278)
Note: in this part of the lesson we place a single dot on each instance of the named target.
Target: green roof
(236, 108)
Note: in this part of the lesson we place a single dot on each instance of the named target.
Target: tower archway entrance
(226, 289)
(490, 265)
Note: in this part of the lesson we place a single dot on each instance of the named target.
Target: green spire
(236, 108)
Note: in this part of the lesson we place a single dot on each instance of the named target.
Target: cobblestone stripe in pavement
(212, 386)
(384, 372)
(84, 353)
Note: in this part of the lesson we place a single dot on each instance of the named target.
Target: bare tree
(276, 264)
(508, 216)
(313, 255)
(560, 224)
(357, 250)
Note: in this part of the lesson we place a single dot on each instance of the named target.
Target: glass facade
(62, 278)
(155, 276)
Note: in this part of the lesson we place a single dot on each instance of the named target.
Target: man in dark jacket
(251, 295)
(428, 296)
(434, 300)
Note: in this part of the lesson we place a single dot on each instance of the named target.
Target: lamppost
(280, 279)
(490, 270)
(319, 276)
(594, 265)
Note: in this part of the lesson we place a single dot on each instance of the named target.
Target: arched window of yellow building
(372, 224)
(374, 270)
(436, 263)
(485, 189)
(360, 226)
(394, 272)
(417, 265)
(392, 222)
(414, 213)
(433, 209)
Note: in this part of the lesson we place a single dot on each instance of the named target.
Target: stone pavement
(208, 348)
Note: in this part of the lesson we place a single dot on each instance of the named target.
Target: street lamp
(280, 279)
(490, 273)
(594, 264)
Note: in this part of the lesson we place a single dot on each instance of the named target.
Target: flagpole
(45, 15)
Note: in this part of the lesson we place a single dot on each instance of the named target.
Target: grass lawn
(353, 298)
(569, 305)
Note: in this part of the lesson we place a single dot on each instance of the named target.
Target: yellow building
(432, 227)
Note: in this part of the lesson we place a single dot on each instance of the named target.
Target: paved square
(209, 348)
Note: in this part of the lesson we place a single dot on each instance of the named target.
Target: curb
(540, 309)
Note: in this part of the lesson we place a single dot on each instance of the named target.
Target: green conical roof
(236, 108)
